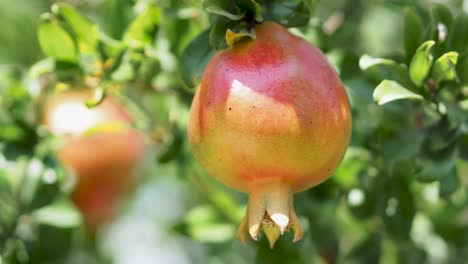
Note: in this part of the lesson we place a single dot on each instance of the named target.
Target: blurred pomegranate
(100, 147)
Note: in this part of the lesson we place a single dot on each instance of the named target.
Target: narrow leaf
(388, 91)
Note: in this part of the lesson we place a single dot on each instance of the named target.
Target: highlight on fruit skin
(100, 147)
(270, 118)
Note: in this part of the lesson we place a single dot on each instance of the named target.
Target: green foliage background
(399, 196)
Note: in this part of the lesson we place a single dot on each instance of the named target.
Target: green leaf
(43, 182)
(462, 69)
(396, 205)
(412, 31)
(252, 8)
(458, 38)
(124, 70)
(442, 14)
(62, 215)
(386, 69)
(52, 252)
(202, 214)
(203, 223)
(212, 232)
(355, 160)
(41, 67)
(449, 184)
(174, 147)
(421, 63)
(257, 11)
(223, 8)
(444, 68)
(435, 166)
(366, 62)
(410, 253)
(98, 96)
(86, 32)
(55, 41)
(110, 47)
(388, 91)
(367, 251)
(142, 30)
(217, 35)
(463, 146)
(293, 13)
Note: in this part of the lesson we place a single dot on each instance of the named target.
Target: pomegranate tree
(100, 147)
(270, 118)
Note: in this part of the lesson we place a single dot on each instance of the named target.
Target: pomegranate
(100, 147)
(270, 118)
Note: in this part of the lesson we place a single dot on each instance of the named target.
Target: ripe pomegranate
(270, 118)
(100, 147)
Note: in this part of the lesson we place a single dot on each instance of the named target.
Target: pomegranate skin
(269, 110)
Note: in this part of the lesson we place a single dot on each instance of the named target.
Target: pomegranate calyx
(270, 208)
(234, 37)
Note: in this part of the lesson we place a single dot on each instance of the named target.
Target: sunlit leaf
(388, 91)
(142, 29)
(85, 31)
(122, 70)
(421, 63)
(444, 68)
(98, 96)
(41, 67)
(212, 232)
(386, 69)
(63, 215)
(354, 161)
(55, 41)
(367, 61)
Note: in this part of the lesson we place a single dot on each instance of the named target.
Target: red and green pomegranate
(100, 147)
(270, 118)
